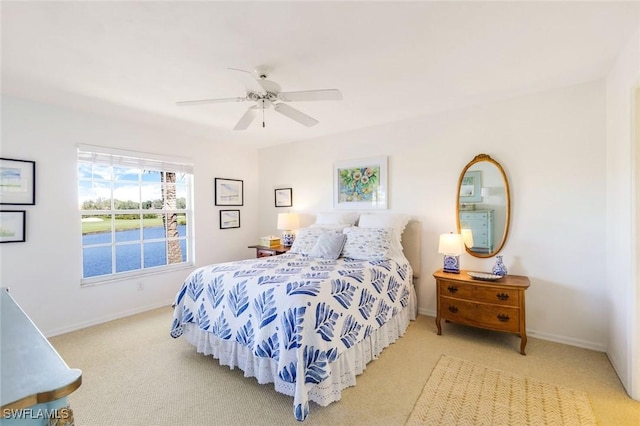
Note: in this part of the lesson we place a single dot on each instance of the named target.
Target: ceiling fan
(266, 93)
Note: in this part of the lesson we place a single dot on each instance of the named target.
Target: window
(135, 213)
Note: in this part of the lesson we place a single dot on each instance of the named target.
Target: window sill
(128, 276)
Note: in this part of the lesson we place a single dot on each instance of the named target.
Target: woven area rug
(460, 392)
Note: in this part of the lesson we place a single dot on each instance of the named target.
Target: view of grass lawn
(124, 224)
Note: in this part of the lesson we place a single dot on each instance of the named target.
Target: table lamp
(485, 193)
(451, 246)
(467, 237)
(286, 223)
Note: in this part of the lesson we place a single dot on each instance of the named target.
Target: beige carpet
(135, 374)
(460, 392)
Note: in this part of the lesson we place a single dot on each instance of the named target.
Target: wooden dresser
(493, 305)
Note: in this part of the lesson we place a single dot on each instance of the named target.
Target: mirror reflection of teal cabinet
(483, 206)
(480, 224)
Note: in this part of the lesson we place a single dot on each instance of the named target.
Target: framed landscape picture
(228, 192)
(284, 197)
(229, 219)
(12, 226)
(17, 182)
(360, 184)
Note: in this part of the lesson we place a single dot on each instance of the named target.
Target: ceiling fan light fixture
(265, 93)
(264, 103)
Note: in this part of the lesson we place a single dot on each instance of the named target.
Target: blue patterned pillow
(386, 220)
(328, 246)
(367, 243)
(307, 238)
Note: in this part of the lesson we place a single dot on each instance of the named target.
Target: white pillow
(395, 221)
(368, 243)
(328, 246)
(334, 218)
(335, 227)
(306, 238)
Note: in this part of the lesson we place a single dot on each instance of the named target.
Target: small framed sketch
(12, 226)
(17, 182)
(228, 192)
(470, 187)
(229, 219)
(284, 197)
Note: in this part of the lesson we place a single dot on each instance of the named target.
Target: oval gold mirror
(484, 205)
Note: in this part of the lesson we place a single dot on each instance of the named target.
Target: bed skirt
(344, 370)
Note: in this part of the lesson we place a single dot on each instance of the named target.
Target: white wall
(552, 147)
(43, 273)
(623, 295)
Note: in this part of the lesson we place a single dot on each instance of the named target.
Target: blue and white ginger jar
(499, 268)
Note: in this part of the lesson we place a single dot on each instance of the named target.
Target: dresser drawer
(500, 318)
(488, 294)
(473, 223)
(480, 242)
(478, 231)
(474, 215)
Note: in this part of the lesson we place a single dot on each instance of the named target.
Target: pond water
(128, 257)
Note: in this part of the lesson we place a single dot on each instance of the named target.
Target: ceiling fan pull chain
(263, 126)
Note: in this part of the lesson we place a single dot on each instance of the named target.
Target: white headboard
(412, 243)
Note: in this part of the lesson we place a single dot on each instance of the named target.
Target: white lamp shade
(467, 237)
(484, 192)
(288, 221)
(452, 244)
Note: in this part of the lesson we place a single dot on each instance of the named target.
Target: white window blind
(140, 160)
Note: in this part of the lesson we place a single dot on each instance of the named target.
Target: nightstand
(264, 251)
(493, 305)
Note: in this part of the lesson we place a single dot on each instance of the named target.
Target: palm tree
(170, 220)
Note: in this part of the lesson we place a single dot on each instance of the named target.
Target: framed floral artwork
(360, 184)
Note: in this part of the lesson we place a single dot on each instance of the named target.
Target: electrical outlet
(140, 286)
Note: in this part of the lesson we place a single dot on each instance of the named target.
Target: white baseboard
(427, 312)
(585, 344)
(106, 318)
(624, 379)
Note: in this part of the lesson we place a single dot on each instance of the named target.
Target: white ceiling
(390, 60)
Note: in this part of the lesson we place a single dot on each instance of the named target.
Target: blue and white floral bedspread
(299, 311)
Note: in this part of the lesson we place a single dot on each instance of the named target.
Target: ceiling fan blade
(249, 81)
(210, 101)
(296, 115)
(311, 95)
(246, 119)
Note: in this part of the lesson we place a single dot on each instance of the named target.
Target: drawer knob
(502, 296)
(453, 309)
(503, 318)
(452, 289)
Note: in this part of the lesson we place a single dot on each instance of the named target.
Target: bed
(308, 324)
